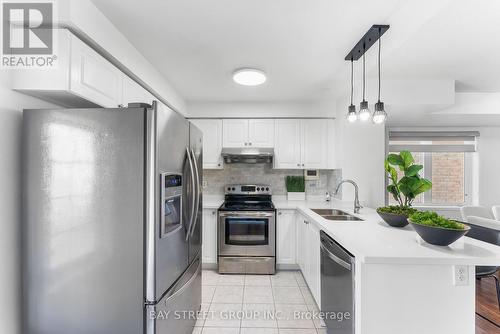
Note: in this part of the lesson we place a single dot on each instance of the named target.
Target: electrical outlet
(204, 184)
(461, 275)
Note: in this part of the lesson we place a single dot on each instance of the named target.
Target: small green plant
(406, 189)
(295, 184)
(430, 218)
(398, 210)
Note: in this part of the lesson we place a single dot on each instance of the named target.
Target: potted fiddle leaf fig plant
(403, 187)
(295, 187)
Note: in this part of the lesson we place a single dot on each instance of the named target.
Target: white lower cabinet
(209, 248)
(285, 237)
(308, 254)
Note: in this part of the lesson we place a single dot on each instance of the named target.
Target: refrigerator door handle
(198, 192)
(191, 170)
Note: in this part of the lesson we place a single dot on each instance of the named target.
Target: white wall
(489, 166)
(10, 140)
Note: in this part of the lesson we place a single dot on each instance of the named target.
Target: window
(447, 161)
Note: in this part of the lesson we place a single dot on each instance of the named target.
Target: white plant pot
(296, 196)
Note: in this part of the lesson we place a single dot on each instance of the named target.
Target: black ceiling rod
(372, 35)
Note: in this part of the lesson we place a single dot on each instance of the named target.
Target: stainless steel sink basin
(341, 217)
(330, 212)
(334, 214)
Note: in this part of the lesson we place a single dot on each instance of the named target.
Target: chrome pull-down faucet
(357, 206)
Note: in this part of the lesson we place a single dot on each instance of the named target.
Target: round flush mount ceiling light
(249, 77)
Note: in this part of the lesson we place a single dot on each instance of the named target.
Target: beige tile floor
(254, 298)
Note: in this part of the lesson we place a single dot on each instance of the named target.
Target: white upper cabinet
(93, 77)
(235, 132)
(81, 79)
(301, 144)
(314, 149)
(261, 132)
(287, 144)
(132, 92)
(212, 142)
(248, 132)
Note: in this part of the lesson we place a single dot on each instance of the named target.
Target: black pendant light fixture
(379, 115)
(351, 113)
(364, 112)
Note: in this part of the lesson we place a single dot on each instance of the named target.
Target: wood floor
(487, 311)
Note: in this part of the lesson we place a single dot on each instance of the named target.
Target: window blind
(433, 141)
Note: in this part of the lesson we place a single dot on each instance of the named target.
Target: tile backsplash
(216, 179)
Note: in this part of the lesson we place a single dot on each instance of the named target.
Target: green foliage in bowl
(430, 218)
(295, 184)
(397, 210)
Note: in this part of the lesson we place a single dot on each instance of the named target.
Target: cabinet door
(286, 235)
(93, 77)
(235, 132)
(314, 144)
(209, 244)
(261, 132)
(212, 142)
(314, 260)
(132, 92)
(287, 144)
(301, 243)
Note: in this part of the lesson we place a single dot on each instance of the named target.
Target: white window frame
(469, 174)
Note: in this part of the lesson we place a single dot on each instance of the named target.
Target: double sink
(336, 215)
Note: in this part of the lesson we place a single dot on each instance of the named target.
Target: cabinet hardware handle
(279, 213)
(302, 165)
(298, 165)
(213, 213)
(246, 144)
(250, 144)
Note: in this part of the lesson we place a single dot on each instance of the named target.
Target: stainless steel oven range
(247, 231)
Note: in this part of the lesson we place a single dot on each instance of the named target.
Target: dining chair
(475, 210)
(487, 230)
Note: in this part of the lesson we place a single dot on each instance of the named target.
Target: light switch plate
(204, 184)
(461, 275)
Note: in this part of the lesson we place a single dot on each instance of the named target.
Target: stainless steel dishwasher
(337, 286)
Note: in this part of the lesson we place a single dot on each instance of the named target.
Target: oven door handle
(246, 214)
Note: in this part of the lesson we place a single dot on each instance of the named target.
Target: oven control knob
(267, 189)
(233, 189)
(229, 188)
(258, 189)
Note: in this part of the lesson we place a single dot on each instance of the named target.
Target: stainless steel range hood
(247, 155)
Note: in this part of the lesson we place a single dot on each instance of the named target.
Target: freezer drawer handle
(336, 259)
(179, 290)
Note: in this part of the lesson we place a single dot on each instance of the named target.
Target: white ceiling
(301, 44)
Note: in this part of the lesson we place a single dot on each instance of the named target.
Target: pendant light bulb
(351, 115)
(379, 115)
(364, 112)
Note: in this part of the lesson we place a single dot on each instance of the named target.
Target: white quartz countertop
(373, 241)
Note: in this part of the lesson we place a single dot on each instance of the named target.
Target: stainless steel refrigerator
(111, 221)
